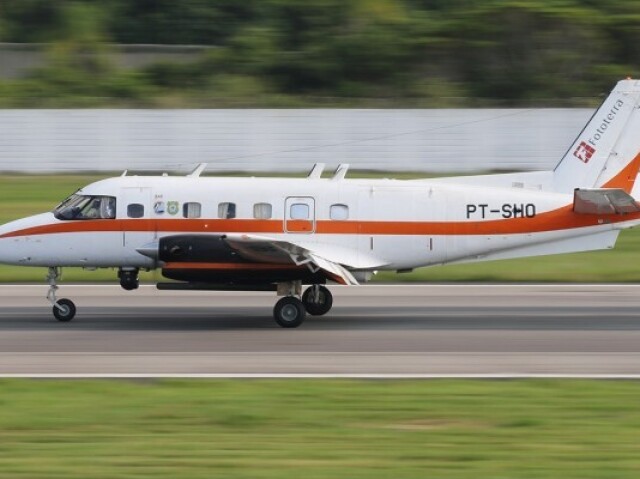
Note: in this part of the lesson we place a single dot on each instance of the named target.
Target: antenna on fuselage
(316, 171)
(341, 172)
(198, 170)
(124, 173)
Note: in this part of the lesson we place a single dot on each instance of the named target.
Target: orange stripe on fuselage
(560, 219)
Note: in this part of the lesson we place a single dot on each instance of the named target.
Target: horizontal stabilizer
(603, 201)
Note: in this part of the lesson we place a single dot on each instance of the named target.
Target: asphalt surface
(372, 330)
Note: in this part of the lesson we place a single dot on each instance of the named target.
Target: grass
(316, 429)
(22, 195)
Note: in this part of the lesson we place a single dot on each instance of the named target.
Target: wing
(332, 260)
(612, 201)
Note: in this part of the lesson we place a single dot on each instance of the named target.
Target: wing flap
(270, 250)
(608, 201)
(337, 272)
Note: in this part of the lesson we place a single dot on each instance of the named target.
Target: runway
(374, 330)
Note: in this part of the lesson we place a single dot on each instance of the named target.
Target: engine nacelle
(209, 259)
(195, 249)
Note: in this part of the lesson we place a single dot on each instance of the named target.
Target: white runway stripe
(322, 376)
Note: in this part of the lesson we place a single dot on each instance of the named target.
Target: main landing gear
(63, 309)
(317, 300)
(290, 312)
(129, 278)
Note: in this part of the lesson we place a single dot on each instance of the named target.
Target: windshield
(81, 207)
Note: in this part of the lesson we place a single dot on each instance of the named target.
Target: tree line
(409, 53)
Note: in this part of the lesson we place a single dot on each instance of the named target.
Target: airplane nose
(13, 245)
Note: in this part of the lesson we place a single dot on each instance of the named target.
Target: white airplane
(254, 234)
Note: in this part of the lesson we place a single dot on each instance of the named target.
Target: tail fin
(606, 154)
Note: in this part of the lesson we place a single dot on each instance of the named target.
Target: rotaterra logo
(606, 121)
(584, 152)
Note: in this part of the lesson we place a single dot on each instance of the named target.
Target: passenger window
(192, 210)
(227, 210)
(299, 211)
(135, 210)
(262, 211)
(339, 212)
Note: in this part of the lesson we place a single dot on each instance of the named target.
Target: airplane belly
(488, 247)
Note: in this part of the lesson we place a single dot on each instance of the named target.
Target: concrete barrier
(435, 140)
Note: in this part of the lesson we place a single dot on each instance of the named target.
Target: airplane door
(135, 208)
(299, 214)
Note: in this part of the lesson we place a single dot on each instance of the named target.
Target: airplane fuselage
(388, 224)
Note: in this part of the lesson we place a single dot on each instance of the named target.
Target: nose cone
(16, 245)
(20, 227)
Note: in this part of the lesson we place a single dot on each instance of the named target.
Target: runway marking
(316, 376)
(422, 354)
(370, 285)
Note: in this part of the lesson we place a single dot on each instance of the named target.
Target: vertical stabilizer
(606, 154)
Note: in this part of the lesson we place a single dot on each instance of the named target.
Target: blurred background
(275, 62)
(418, 85)
(317, 53)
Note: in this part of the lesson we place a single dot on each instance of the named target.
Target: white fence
(258, 140)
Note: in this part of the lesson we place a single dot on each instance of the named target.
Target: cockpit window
(81, 207)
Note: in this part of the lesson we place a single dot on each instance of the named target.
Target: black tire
(129, 285)
(324, 304)
(289, 312)
(64, 310)
(129, 280)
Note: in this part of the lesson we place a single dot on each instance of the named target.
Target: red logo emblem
(584, 152)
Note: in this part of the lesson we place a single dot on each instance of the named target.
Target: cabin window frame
(227, 210)
(135, 215)
(263, 211)
(187, 210)
(296, 211)
(339, 207)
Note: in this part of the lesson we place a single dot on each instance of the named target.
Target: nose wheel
(64, 309)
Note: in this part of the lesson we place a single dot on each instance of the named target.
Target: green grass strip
(353, 429)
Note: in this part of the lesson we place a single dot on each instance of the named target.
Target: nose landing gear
(63, 309)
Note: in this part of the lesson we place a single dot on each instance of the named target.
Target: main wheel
(320, 305)
(129, 280)
(289, 312)
(64, 310)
